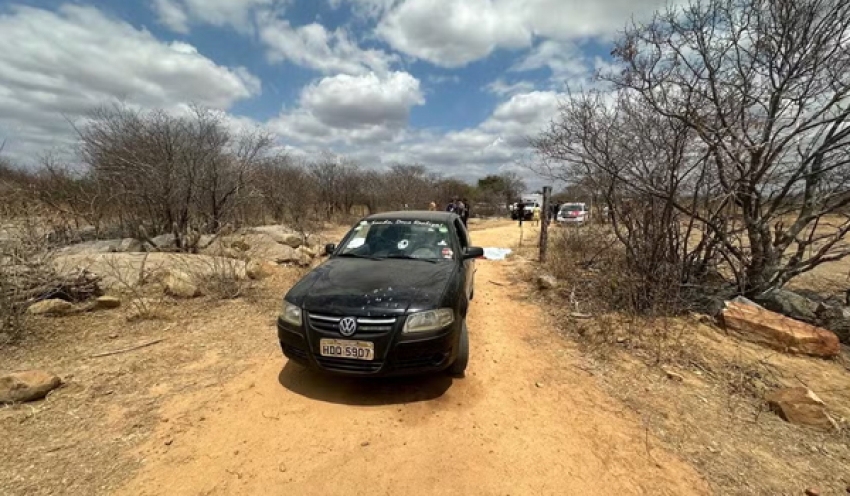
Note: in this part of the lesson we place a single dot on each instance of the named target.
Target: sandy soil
(525, 420)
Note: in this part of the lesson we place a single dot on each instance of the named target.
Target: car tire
(458, 368)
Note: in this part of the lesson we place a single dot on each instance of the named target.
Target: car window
(571, 207)
(399, 238)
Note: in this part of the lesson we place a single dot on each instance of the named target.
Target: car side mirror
(473, 252)
(330, 248)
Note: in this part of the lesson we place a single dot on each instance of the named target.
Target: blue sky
(455, 85)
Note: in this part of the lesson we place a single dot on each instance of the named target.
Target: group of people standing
(456, 205)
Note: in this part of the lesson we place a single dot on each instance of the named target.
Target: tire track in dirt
(284, 430)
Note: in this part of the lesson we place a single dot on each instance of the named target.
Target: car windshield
(399, 238)
(571, 207)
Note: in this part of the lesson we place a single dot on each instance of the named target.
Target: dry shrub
(222, 278)
(627, 307)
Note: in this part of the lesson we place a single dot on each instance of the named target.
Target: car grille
(365, 325)
(346, 365)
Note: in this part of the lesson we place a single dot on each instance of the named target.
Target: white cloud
(59, 65)
(238, 14)
(365, 9)
(451, 33)
(171, 15)
(502, 88)
(315, 47)
(353, 101)
(349, 110)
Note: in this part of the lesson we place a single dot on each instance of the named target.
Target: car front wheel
(459, 366)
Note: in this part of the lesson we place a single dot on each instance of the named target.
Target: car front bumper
(395, 354)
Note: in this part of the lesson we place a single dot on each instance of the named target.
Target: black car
(391, 299)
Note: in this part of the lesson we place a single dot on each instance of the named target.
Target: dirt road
(525, 420)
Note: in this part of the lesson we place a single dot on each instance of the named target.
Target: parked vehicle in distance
(391, 299)
(572, 213)
(527, 212)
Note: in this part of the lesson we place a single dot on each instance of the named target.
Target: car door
(469, 264)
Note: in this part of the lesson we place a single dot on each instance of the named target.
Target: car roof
(425, 215)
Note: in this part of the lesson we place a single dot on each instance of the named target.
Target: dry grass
(716, 416)
(86, 431)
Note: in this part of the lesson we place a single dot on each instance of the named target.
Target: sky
(456, 85)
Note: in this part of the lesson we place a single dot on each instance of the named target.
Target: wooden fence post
(544, 223)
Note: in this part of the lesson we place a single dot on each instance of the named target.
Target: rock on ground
(180, 285)
(257, 269)
(789, 303)
(801, 406)
(762, 326)
(546, 281)
(836, 319)
(51, 307)
(106, 303)
(130, 245)
(28, 385)
(280, 235)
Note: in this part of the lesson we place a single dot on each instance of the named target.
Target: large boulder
(789, 303)
(800, 406)
(52, 306)
(836, 319)
(130, 245)
(281, 235)
(165, 241)
(759, 325)
(180, 285)
(29, 385)
(282, 254)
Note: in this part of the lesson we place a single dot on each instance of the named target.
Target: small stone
(673, 375)
(365, 443)
(180, 285)
(168, 442)
(812, 492)
(538, 384)
(29, 385)
(52, 306)
(114, 335)
(546, 281)
(106, 303)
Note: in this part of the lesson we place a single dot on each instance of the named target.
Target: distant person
(520, 212)
(466, 208)
(432, 206)
(452, 206)
(461, 208)
(535, 215)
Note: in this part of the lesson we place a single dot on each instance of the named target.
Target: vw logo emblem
(348, 326)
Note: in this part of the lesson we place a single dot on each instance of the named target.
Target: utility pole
(544, 223)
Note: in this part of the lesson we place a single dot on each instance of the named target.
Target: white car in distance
(573, 213)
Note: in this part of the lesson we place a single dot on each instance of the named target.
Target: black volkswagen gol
(392, 299)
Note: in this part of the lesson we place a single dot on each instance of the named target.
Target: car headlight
(291, 314)
(431, 320)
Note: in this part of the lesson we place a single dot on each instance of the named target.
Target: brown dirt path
(525, 420)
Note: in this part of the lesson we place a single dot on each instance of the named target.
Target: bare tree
(756, 93)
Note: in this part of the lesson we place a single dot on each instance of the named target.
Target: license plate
(343, 348)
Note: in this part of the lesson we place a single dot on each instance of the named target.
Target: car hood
(351, 286)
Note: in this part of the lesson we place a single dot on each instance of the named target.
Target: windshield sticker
(448, 253)
(403, 244)
(356, 242)
(444, 229)
(426, 223)
(442, 243)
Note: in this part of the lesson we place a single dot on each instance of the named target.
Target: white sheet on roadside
(496, 253)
